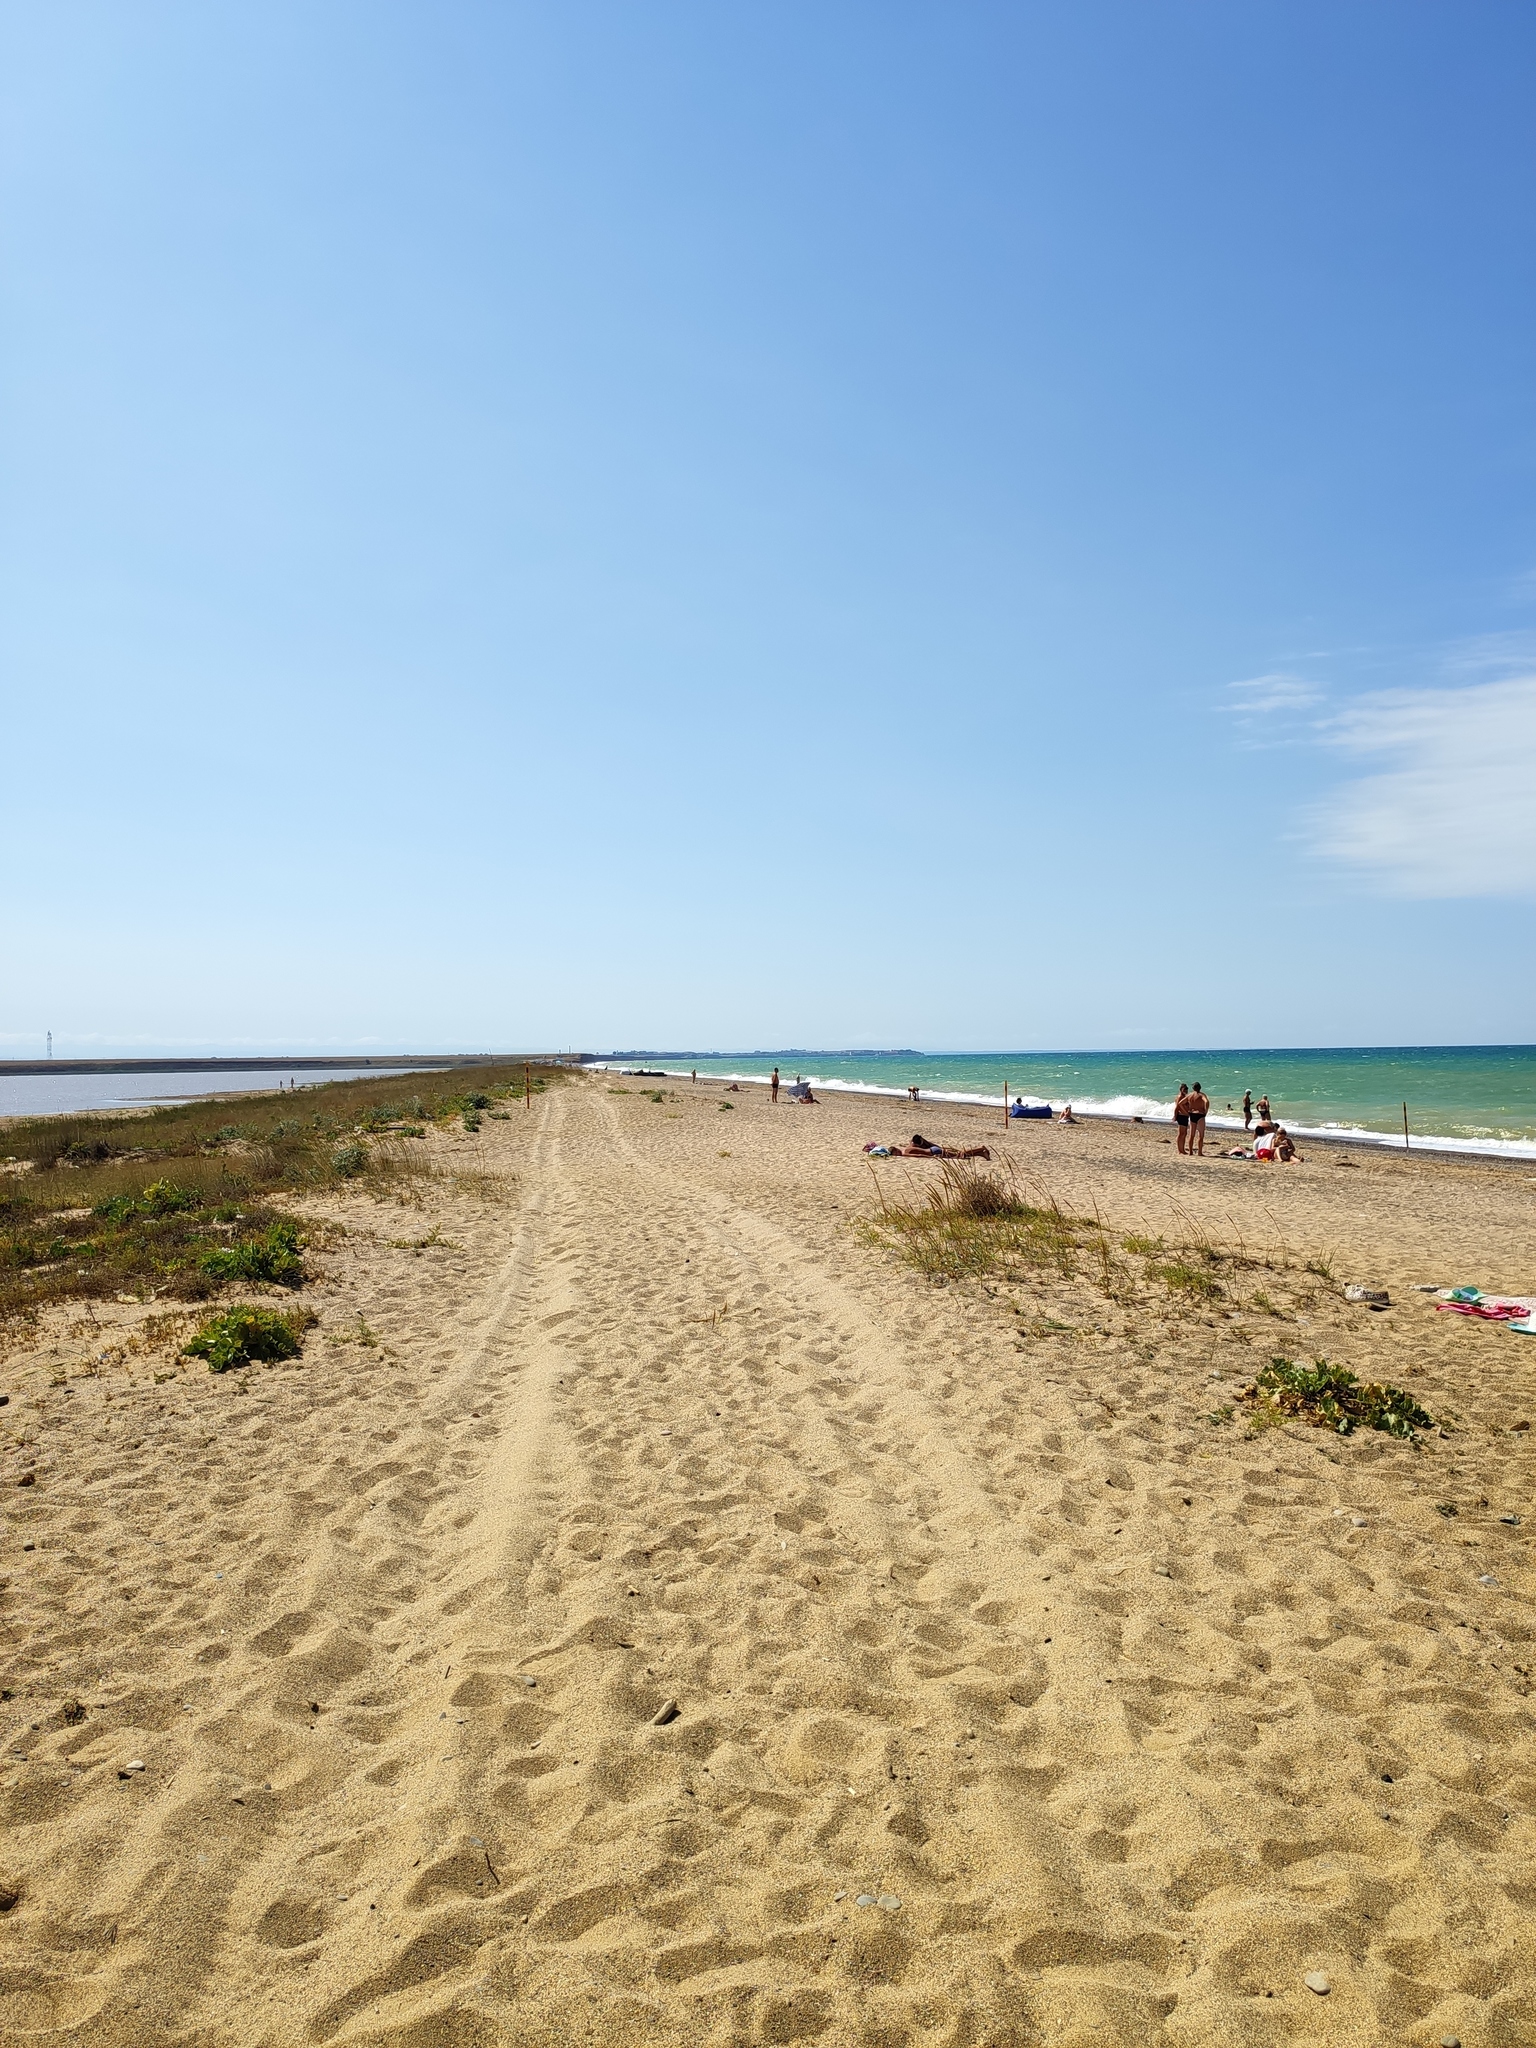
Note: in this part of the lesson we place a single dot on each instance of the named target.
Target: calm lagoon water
(69, 1094)
(1472, 1098)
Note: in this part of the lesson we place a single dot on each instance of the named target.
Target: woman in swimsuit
(1181, 1114)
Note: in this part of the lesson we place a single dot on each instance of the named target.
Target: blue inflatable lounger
(1023, 1108)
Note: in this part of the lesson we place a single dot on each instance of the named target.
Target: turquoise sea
(1461, 1098)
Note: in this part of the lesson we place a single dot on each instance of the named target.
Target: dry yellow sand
(963, 1600)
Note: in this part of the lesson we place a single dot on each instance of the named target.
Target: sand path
(1119, 1732)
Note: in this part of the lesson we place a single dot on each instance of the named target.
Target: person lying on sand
(922, 1148)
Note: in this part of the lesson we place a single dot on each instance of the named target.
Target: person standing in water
(1181, 1113)
(1247, 1109)
(773, 1086)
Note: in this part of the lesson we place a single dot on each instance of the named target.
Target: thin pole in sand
(1405, 1127)
(527, 1086)
(1005, 1106)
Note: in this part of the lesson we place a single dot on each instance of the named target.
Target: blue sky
(994, 525)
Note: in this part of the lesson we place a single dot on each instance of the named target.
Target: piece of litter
(530, 1681)
(889, 1902)
(1316, 1981)
(1370, 1294)
(865, 1899)
(666, 1713)
(1512, 1520)
(1358, 1521)
(1161, 1571)
(1486, 1579)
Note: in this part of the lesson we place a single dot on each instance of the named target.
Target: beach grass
(176, 1201)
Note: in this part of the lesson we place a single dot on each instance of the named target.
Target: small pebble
(1358, 1521)
(666, 1713)
(889, 1902)
(1512, 1520)
(838, 1897)
(1161, 1571)
(29, 1546)
(136, 1765)
(865, 1899)
(1316, 1981)
(1450, 2041)
(530, 1681)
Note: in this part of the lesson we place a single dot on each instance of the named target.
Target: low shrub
(273, 1257)
(1330, 1397)
(160, 1198)
(241, 1336)
(350, 1160)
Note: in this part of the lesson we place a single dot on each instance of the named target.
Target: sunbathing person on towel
(920, 1148)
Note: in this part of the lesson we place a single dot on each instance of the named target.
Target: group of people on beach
(1271, 1140)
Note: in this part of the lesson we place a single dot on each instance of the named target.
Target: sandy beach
(651, 1611)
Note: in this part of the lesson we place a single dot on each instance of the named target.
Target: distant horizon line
(805, 1052)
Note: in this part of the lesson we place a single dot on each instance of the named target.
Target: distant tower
(50, 1045)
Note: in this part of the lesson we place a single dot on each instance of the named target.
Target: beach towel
(1515, 1311)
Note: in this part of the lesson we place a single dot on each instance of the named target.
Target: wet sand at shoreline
(1122, 1718)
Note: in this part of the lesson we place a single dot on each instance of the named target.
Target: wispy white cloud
(1452, 811)
(1263, 696)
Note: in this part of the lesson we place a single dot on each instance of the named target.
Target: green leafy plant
(242, 1335)
(1331, 1397)
(273, 1257)
(350, 1160)
(160, 1198)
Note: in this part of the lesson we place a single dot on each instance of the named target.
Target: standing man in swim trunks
(1198, 1104)
(773, 1086)
(1181, 1113)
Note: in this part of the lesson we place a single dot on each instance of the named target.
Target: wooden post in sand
(527, 1086)
(1005, 1106)
(1405, 1127)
